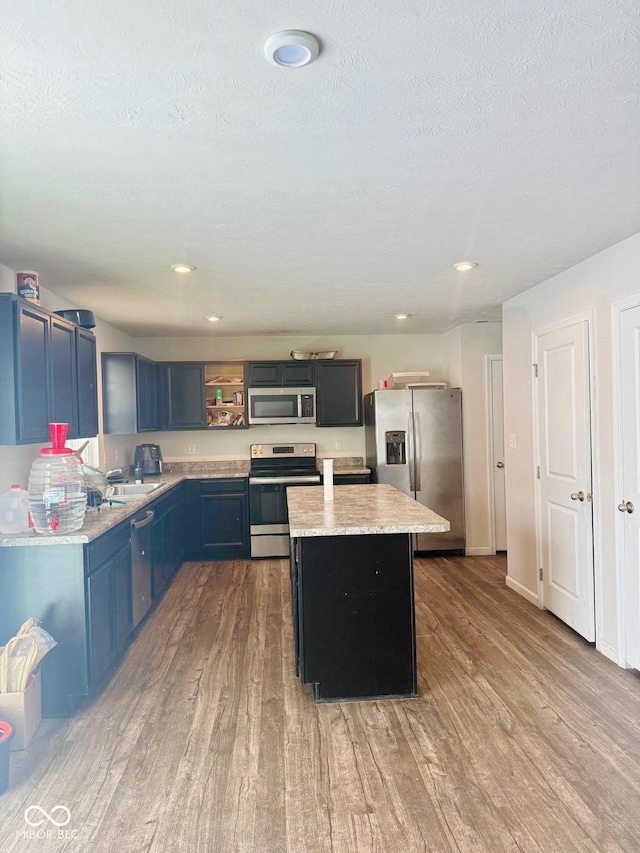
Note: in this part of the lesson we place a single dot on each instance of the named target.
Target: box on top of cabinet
(23, 711)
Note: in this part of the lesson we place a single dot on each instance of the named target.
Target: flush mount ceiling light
(464, 266)
(214, 318)
(291, 48)
(182, 268)
(402, 316)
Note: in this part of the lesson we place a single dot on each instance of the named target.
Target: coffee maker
(150, 457)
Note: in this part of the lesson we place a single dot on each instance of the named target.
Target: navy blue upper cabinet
(339, 393)
(280, 374)
(64, 376)
(87, 383)
(33, 353)
(130, 393)
(147, 394)
(185, 395)
(39, 374)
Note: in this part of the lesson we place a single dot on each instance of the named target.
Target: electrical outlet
(338, 445)
(512, 440)
(191, 449)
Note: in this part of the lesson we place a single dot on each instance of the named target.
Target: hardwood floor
(523, 738)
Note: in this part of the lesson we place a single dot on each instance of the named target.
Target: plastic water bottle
(57, 487)
(14, 510)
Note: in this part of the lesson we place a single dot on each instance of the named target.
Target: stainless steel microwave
(282, 405)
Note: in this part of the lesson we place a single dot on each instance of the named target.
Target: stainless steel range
(273, 468)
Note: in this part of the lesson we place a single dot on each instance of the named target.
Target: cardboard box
(23, 711)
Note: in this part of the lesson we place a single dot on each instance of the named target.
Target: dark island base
(354, 620)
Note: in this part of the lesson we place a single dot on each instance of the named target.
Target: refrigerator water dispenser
(396, 442)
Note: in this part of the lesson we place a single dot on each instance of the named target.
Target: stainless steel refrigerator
(414, 442)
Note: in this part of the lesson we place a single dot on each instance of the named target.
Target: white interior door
(497, 453)
(629, 498)
(564, 454)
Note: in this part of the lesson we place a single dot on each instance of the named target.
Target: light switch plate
(512, 440)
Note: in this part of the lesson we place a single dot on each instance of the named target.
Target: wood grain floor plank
(524, 738)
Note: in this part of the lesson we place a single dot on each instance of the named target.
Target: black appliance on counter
(150, 457)
(273, 468)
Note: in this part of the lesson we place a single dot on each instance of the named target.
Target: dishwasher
(141, 564)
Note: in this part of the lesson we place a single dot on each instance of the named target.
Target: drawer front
(217, 487)
(103, 548)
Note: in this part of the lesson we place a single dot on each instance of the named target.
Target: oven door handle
(284, 481)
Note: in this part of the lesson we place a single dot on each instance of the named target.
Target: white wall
(591, 285)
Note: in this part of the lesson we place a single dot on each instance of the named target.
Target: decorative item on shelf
(28, 286)
(403, 380)
(224, 380)
(306, 355)
(218, 396)
(81, 317)
(225, 419)
(238, 398)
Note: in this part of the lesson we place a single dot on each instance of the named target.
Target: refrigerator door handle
(417, 451)
(410, 453)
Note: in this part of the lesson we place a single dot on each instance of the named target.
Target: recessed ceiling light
(182, 268)
(291, 48)
(214, 318)
(464, 266)
(402, 316)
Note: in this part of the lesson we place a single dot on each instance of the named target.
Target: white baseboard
(610, 652)
(478, 552)
(522, 590)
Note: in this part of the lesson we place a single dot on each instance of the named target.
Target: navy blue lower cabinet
(217, 519)
(351, 479)
(167, 538)
(108, 587)
(354, 621)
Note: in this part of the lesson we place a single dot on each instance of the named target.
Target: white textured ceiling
(323, 199)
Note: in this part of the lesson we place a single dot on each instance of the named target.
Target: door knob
(577, 496)
(499, 464)
(626, 506)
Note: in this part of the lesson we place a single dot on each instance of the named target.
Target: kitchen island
(352, 589)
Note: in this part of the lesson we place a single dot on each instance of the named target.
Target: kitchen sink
(123, 490)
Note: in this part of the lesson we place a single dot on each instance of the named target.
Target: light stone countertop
(97, 522)
(369, 509)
